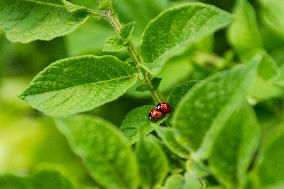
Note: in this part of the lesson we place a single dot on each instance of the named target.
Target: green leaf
(89, 38)
(187, 181)
(155, 83)
(268, 68)
(137, 124)
(174, 182)
(45, 179)
(114, 44)
(243, 34)
(139, 11)
(153, 164)
(268, 79)
(79, 84)
(176, 95)
(168, 137)
(271, 162)
(27, 20)
(272, 13)
(234, 148)
(72, 7)
(126, 31)
(104, 150)
(203, 111)
(177, 28)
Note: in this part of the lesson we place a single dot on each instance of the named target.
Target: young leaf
(234, 148)
(79, 84)
(126, 31)
(27, 20)
(177, 28)
(45, 179)
(114, 44)
(104, 150)
(203, 111)
(270, 167)
(137, 124)
(168, 137)
(153, 164)
(243, 34)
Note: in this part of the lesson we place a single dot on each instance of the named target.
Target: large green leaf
(137, 124)
(28, 20)
(45, 179)
(153, 164)
(234, 148)
(104, 150)
(79, 84)
(243, 34)
(175, 29)
(203, 111)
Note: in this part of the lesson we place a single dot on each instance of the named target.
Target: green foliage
(212, 101)
(270, 169)
(243, 34)
(175, 29)
(168, 137)
(79, 84)
(42, 179)
(25, 21)
(137, 124)
(153, 164)
(105, 152)
(225, 87)
(235, 147)
(272, 14)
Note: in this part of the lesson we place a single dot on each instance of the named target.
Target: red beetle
(164, 107)
(159, 111)
(155, 114)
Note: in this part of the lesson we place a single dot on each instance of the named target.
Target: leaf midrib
(93, 83)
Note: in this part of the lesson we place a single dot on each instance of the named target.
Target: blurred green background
(29, 140)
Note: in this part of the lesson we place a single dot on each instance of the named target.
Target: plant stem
(147, 76)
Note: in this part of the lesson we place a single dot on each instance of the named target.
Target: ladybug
(155, 114)
(164, 107)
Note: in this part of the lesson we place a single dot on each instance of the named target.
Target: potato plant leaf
(29, 20)
(168, 137)
(203, 111)
(126, 31)
(272, 14)
(105, 152)
(79, 84)
(243, 34)
(114, 44)
(137, 124)
(177, 28)
(45, 179)
(156, 81)
(139, 11)
(235, 146)
(177, 93)
(153, 163)
(271, 162)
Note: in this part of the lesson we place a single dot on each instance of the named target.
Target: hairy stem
(147, 76)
